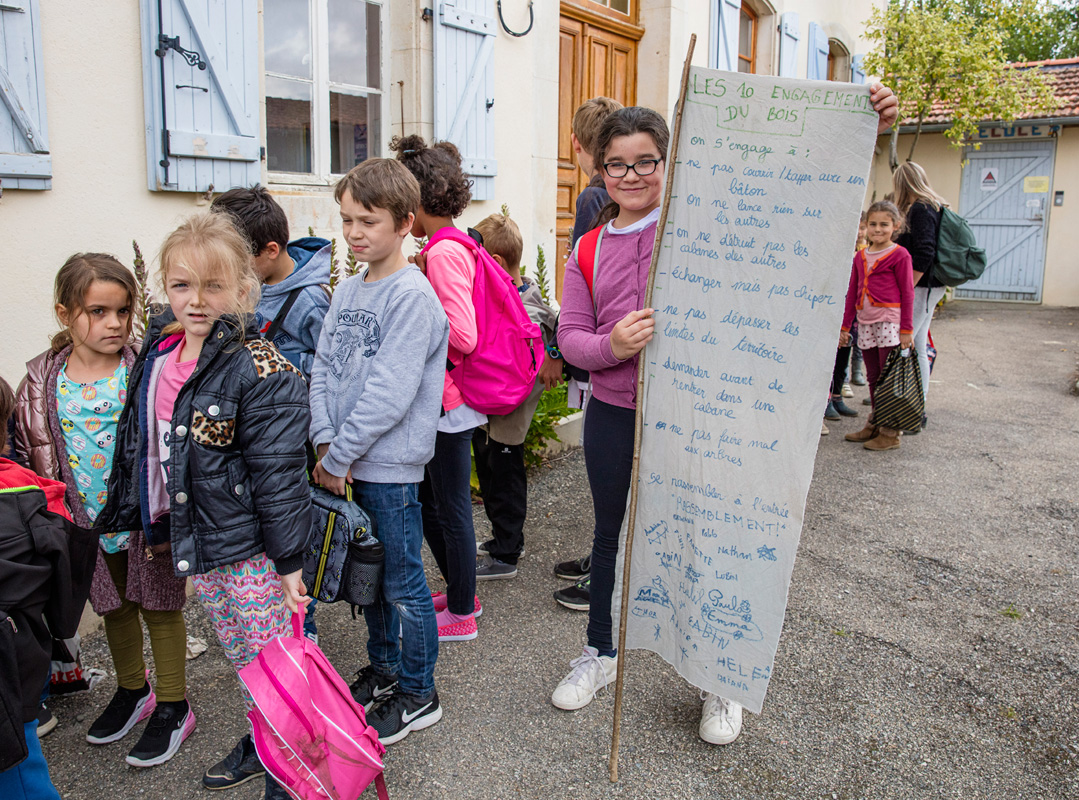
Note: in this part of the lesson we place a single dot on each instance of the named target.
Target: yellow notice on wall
(1036, 184)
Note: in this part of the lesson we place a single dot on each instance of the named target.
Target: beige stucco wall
(99, 200)
(1061, 286)
(944, 165)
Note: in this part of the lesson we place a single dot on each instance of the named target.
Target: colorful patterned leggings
(247, 608)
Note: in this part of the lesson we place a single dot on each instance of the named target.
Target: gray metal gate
(1005, 198)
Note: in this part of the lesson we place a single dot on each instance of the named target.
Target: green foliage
(543, 282)
(552, 407)
(505, 210)
(141, 321)
(1033, 30)
(310, 230)
(1011, 612)
(335, 274)
(938, 52)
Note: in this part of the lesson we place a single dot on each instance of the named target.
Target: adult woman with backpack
(921, 208)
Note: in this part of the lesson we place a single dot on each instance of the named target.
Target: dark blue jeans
(405, 599)
(608, 458)
(30, 779)
(446, 496)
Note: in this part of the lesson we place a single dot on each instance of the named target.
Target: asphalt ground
(931, 645)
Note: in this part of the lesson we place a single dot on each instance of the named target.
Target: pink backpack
(499, 374)
(309, 733)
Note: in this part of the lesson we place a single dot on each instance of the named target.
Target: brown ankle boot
(864, 435)
(886, 439)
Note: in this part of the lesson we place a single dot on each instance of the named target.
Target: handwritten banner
(749, 294)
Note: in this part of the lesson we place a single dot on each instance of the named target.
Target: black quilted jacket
(237, 485)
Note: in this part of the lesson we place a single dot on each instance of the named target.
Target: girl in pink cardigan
(881, 298)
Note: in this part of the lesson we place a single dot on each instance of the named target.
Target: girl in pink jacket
(881, 298)
(446, 492)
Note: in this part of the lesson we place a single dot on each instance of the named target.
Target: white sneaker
(721, 719)
(591, 672)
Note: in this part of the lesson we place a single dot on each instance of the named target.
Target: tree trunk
(893, 148)
(917, 133)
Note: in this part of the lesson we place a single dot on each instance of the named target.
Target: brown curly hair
(444, 189)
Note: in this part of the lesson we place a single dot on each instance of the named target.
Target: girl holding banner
(603, 328)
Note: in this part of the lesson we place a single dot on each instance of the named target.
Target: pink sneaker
(440, 600)
(458, 631)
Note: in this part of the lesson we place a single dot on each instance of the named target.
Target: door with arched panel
(597, 56)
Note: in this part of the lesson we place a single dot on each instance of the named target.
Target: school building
(119, 119)
(1017, 184)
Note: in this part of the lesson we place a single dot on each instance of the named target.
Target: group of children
(192, 456)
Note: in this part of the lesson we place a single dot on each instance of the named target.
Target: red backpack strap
(586, 256)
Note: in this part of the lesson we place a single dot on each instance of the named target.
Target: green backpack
(958, 259)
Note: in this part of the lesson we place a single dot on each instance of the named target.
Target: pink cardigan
(888, 284)
(584, 333)
(451, 269)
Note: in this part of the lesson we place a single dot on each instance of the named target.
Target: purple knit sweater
(584, 332)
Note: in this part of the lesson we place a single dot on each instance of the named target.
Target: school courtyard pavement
(931, 646)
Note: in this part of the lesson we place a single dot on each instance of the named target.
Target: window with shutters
(324, 86)
(25, 162)
(747, 40)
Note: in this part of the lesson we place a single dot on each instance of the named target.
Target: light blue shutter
(788, 45)
(817, 68)
(25, 162)
(465, 87)
(857, 70)
(202, 120)
(726, 18)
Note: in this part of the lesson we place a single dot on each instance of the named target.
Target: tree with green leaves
(936, 52)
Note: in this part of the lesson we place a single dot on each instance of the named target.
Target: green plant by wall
(542, 279)
(552, 408)
(140, 323)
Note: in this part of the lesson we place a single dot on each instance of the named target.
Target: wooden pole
(672, 155)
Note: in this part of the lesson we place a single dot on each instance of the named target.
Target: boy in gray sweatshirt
(376, 391)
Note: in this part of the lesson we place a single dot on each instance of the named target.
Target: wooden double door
(597, 56)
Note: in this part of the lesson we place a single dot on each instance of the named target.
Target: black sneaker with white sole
(576, 570)
(371, 685)
(239, 766)
(400, 714)
(169, 725)
(126, 708)
(576, 596)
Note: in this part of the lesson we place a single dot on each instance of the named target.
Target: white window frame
(321, 86)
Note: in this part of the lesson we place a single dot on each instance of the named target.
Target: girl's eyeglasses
(616, 169)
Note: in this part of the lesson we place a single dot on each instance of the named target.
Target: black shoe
(830, 412)
(400, 714)
(239, 766)
(46, 722)
(126, 708)
(575, 570)
(169, 725)
(274, 790)
(575, 596)
(842, 408)
(370, 685)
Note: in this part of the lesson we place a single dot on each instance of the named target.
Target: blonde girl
(210, 458)
(921, 208)
(69, 406)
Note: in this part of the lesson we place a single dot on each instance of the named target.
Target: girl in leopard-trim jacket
(210, 458)
(67, 411)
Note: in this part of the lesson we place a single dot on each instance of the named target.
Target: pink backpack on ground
(309, 733)
(499, 374)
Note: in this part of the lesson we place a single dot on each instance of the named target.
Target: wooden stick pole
(671, 160)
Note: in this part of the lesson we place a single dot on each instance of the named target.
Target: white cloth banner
(749, 295)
